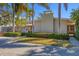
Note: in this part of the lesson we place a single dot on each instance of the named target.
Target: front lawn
(44, 41)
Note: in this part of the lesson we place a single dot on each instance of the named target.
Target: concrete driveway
(9, 48)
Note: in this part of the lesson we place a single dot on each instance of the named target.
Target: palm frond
(66, 6)
(45, 5)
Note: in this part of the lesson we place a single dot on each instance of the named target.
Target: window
(70, 28)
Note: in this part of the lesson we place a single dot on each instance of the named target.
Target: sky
(54, 8)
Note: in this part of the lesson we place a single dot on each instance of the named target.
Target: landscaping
(47, 35)
(12, 34)
(25, 30)
(40, 38)
(1, 34)
(75, 18)
(37, 35)
(44, 41)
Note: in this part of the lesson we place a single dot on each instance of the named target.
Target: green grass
(44, 41)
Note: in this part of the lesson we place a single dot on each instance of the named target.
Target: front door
(70, 29)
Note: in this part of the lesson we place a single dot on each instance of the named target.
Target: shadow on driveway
(3, 41)
(17, 45)
(53, 51)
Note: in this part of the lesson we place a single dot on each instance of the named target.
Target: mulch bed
(1, 33)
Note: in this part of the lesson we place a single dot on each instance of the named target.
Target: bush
(59, 36)
(52, 36)
(26, 34)
(12, 34)
(30, 34)
(77, 38)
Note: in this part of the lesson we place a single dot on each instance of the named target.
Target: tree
(5, 20)
(4, 14)
(20, 23)
(75, 18)
(18, 8)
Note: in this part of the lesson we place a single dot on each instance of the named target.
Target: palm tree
(13, 9)
(45, 5)
(4, 13)
(32, 16)
(18, 8)
(2, 5)
(59, 12)
(75, 17)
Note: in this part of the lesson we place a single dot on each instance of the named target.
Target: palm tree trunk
(13, 17)
(59, 15)
(29, 23)
(32, 16)
(53, 25)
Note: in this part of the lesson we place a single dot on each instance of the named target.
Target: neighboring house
(5, 23)
(6, 28)
(47, 23)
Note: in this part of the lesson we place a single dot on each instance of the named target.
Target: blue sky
(54, 8)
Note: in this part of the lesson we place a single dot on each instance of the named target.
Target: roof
(67, 21)
(63, 19)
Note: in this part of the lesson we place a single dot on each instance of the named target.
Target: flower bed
(1, 33)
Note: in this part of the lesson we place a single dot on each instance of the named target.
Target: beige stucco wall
(63, 27)
(45, 24)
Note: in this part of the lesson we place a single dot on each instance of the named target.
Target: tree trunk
(53, 25)
(59, 15)
(32, 16)
(14, 18)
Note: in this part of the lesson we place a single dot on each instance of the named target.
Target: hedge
(59, 36)
(12, 34)
(51, 36)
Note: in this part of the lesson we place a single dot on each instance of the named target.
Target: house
(48, 23)
(9, 28)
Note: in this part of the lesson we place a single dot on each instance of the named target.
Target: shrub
(59, 36)
(30, 34)
(12, 34)
(77, 38)
(52, 36)
(26, 34)
(76, 35)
